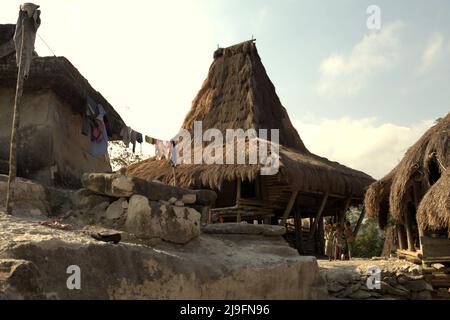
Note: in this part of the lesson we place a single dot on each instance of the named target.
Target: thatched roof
(58, 74)
(238, 94)
(420, 167)
(434, 209)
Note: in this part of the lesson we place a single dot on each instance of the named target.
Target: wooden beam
(360, 220)
(318, 216)
(289, 207)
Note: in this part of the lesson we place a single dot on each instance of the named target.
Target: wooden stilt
(298, 231)
(238, 198)
(409, 232)
(15, 127)
(402, 243)
(289, 207)
(417, 198)
(318, 216)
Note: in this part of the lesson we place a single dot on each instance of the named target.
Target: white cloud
(342, 75)
(361, 143)
(433, 52)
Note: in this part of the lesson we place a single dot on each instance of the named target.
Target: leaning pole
(28, 22)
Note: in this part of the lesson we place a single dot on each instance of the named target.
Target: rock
(125, 204)
(85, 200)
(172, 200)
(29, 198)
(418, 285)
(116, 209)
(360, 295)
(334, 287)
(149, 220)
(340, 276)
(390, 280)
(422, 295)
(244, 228)
(120, 186)
(189, 198)
(375, 294)
(388, 289)
(179, 204)
(206, 268)
(438, 266)
(19, 280)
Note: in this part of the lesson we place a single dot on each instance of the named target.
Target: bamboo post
(318, 216)
(174, 176)
(15, 128)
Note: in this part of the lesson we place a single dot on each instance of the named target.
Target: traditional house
(238, 94)
(52, 148)
(414, 195)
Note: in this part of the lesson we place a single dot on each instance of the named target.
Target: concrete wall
(51, 148)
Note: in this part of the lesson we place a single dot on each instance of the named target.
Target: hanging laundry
(173, 152)
(133, 140)
(91, 112)
(125, 133)
(149, 140)
(139, 137)
(99, 135)
(162, 149)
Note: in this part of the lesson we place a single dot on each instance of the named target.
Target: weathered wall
(52, 149)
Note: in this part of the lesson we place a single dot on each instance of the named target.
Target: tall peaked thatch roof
(434, 209)
(238, 94)
(421, 166)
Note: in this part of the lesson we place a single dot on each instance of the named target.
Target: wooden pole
(298, 231)
(360, 220)
(289, 207)
(318, 216)
(341, 218)
(409, 233)
(401, 238)
(174, 176)
(15, 127)
(238, 198)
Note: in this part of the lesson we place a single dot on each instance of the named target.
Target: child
(349, 238)
(329, 241)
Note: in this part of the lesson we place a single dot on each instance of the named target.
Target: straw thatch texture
(426, 158)
(238, 94)
(302, 171)
(434, 209)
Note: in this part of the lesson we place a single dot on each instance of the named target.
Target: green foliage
(120, 156)
(370, 239)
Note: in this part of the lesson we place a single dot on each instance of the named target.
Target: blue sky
(357, 96)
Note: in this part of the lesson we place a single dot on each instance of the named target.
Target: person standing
(349, 238)
(329, 241)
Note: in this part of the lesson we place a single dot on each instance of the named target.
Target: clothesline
(163, 148)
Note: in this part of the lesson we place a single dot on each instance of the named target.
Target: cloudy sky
(357, 96)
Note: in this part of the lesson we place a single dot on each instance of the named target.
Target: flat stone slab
(242, 228)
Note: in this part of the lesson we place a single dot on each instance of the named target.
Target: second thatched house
(238, 94)
(414, 196)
